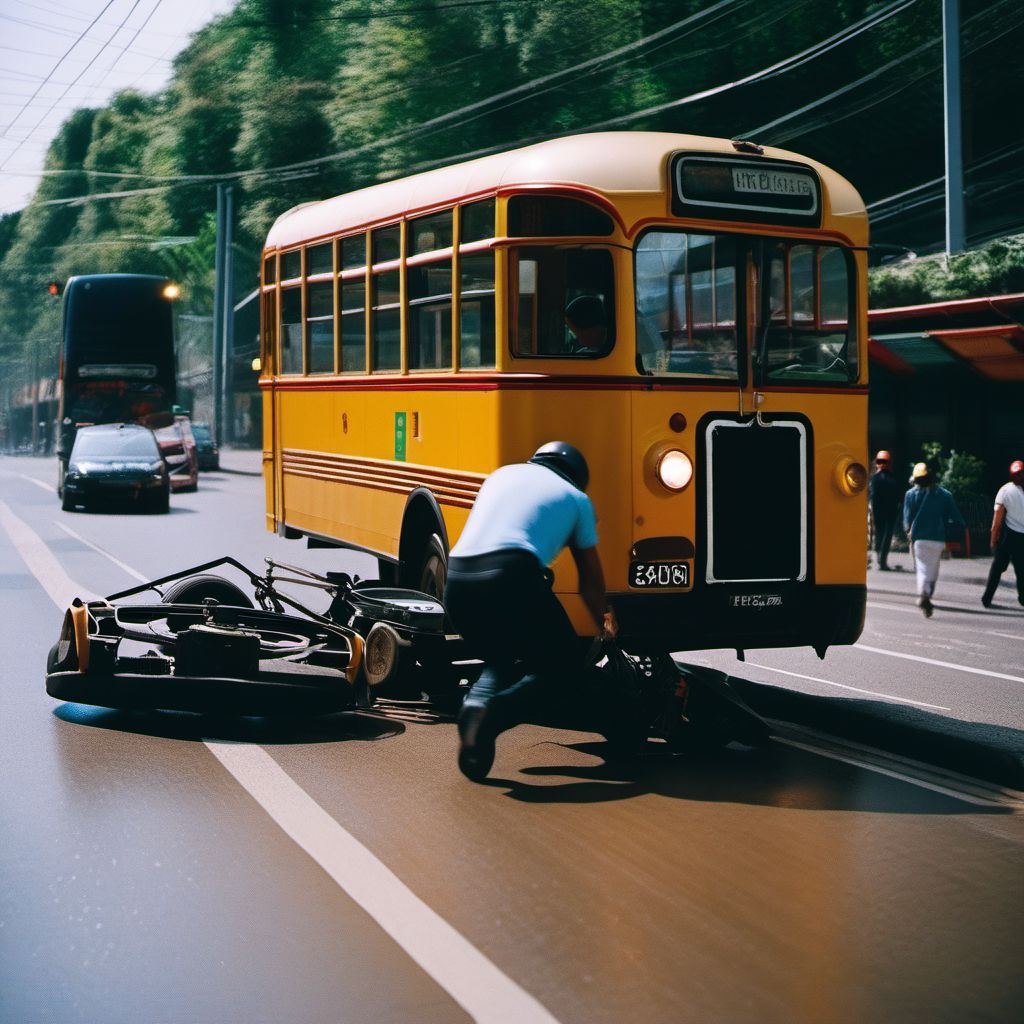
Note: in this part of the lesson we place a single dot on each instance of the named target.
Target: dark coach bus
(117, 357)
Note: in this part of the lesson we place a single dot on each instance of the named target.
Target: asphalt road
(160, 867)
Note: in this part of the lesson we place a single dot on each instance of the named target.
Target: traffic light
(54, 288)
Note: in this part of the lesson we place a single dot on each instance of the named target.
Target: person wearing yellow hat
(930, 516)
(1008, 534)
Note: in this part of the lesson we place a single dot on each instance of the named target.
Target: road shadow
(771, 776)
(182, 725)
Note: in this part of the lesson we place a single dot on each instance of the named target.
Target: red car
(178, 448)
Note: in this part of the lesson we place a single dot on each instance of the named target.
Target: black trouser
(1009, 548)
(534, 663)
(885, 527)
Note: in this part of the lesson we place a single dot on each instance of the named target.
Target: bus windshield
(803, 315)
(686, 304)
(687, 297)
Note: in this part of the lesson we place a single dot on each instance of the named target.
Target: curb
(989, 752)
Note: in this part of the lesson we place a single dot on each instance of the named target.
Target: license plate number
(756, 600)
(646, 575)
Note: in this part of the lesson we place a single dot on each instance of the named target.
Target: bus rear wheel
(433, 567)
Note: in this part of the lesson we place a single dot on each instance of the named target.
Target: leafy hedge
(994, 269)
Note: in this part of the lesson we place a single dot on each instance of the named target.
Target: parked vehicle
(206, 447)
(116, 462)
(178, 446)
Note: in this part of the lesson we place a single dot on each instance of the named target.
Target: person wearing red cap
(1008, 534)
(885, 496)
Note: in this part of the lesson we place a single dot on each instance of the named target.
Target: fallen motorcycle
(207, 646)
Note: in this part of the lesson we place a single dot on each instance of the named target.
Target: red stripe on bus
(500, 383)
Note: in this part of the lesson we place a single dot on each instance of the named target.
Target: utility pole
(218, 316)
(953, 115)
(228, 310)
(35, 396)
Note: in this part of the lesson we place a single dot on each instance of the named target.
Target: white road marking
(49, 488)
(1009, 636)
(473, 981)
(856, 689)
(938, 780)
(42, 562)
(463, 971)
(940, 664)
(106, 554)
(894, 607)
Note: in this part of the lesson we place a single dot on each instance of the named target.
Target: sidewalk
(244, 461)
(961, 581)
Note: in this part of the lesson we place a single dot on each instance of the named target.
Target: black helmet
(565, 460)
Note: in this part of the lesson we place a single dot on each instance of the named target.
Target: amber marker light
(172, 291)
(674, 469)
(851, 476)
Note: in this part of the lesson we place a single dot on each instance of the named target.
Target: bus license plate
(659, 574)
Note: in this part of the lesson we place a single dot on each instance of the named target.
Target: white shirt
(1011, 497)
(529, 507)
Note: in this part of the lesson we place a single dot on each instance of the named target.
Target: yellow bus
(420, 333)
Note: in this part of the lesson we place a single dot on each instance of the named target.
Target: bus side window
(476, 311)
(290, 333)
(566, 303)
(429, 287)
(269, 321)
(351, 258)
(320, 323)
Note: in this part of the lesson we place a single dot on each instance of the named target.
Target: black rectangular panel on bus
(757, 526)
(745, 188)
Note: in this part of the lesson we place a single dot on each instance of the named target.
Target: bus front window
(804, 331)
(565, 303)
(686, 304)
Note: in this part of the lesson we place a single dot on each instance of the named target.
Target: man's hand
(609, 626)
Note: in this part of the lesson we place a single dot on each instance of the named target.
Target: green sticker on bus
(400, 437)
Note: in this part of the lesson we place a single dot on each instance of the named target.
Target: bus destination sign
(744, 189)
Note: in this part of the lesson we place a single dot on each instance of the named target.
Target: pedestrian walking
(498, 596)
(930, 516)
(884, 497)
(1007, 534)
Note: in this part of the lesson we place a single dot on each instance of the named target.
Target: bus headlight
(851, 476)
(674, 469)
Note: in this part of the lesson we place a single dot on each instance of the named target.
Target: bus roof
(609, 163)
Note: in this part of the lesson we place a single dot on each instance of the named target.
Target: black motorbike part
(404, 608)
(716, 712)
(266, 663)
(195, 589)
(211, 650)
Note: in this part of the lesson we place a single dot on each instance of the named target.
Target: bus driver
(498, 595)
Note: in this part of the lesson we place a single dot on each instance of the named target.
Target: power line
(51, 30)
(690, 23)
(780, 67)
(408, 12)
(127, 48)
(28, 102)
(74, 82)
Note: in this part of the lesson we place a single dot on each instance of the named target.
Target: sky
(59, 55)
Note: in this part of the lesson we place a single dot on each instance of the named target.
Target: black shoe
(926, 606)
(476, 742)
(885, 568)
(986, 600)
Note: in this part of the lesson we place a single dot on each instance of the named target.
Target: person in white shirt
(1008, 534)
(498, 596)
